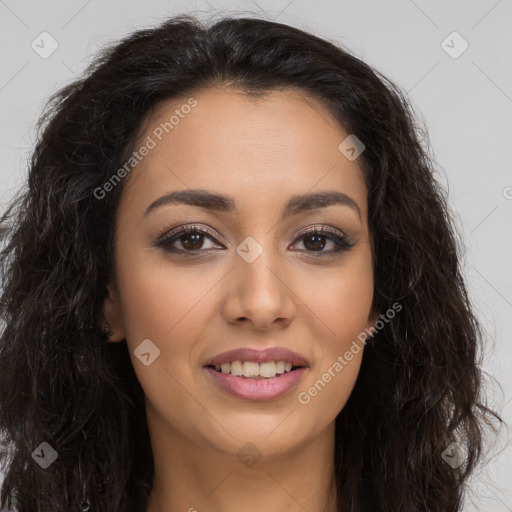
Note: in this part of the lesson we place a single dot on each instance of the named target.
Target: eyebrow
(222, 203)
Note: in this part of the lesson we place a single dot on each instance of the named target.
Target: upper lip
(258, 355)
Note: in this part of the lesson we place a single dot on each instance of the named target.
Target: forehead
(222, 140)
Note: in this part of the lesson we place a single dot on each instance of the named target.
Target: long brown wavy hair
(420, 387)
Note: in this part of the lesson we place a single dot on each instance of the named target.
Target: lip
(257, 390)
(259, 356)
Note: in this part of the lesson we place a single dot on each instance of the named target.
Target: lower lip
(257, 390)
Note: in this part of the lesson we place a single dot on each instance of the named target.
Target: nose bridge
(257, 262)
(259, 292)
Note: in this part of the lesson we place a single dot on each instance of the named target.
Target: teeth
(236, 368)
(251, 369)
(268, 369)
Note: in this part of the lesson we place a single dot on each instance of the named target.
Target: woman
(234, 283)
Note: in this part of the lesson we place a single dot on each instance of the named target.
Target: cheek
(159, 301)
(341, 308)
(327, 391)
(171, 307)
(342, 301)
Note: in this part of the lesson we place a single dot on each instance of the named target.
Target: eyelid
(322, 228)
(185, 228)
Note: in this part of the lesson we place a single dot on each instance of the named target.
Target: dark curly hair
(420, 387)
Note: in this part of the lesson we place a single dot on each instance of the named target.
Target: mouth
(251, 370)
(257, 375)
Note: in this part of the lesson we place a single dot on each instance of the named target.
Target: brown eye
(316, 239)
(190, 239)
(314, 242)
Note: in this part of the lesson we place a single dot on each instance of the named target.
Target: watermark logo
(147, 352)
(44, 455)
(351, 147)
(454, 45)
(454, 455)
(249, 455)
(44, 45)
(249, 249)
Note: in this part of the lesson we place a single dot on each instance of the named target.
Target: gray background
(466, 103)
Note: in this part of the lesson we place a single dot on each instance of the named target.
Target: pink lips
(258, 389)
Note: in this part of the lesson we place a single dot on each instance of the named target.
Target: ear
(112, 314)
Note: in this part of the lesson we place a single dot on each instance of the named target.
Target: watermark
(44, 45)
(507, 192)
(249, 249)
(351, 147)
(144, 150)
(249, 455)
(454, 455)
(44, 455)
(146, 352)
(304, 397)
(454, 45)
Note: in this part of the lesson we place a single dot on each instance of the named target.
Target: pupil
(319, 239)
(196, 243)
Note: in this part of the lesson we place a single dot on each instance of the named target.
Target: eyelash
(342, 242)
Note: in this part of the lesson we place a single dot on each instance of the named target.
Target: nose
(260, 293)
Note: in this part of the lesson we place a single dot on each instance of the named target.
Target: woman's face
(248, 277)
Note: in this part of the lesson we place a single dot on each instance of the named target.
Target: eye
(191, 238)
(316, 238)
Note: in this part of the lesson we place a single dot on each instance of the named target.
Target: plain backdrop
(452, 58)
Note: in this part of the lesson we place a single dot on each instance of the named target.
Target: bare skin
(195, 305)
